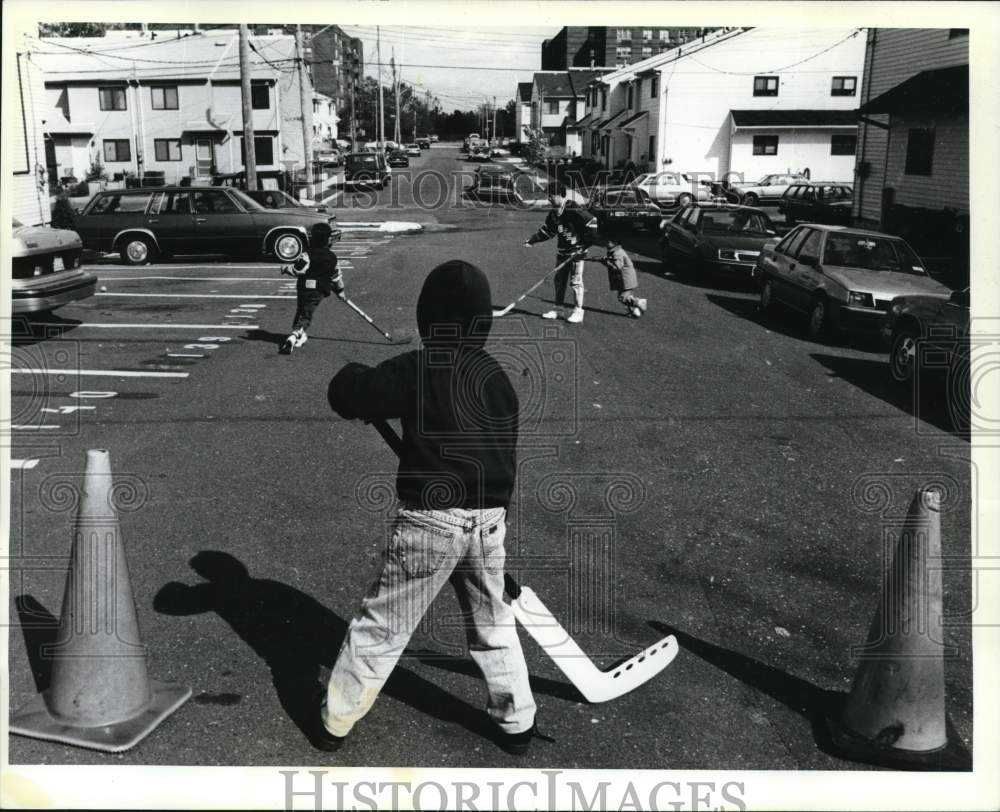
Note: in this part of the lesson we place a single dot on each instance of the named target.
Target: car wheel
(137, 250)
(751, 199)
(903, 355)
(288, 246)
(767, 297)
(819, 319)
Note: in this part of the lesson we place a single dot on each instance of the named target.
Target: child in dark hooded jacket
(459, 415)
(318, 276)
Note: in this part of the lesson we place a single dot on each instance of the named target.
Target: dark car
(398, 158)
(495, 182)
(927, 333)
(366, 169)
(143, 224)
(826, 203)
(624, 207)
(45, 269)
(717, 238)
(424, 143)
(276, 199)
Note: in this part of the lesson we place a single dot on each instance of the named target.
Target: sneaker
(634, 313)
(576, 317)
(552, 314)
(288, 345)
(641, 303)
(300, 338)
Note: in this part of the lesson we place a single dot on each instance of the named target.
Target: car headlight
(727, 254)
(18, 248)
(860, 299)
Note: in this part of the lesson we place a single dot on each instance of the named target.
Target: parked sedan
(143, 224)
(624, 207)
(828, 203)
(424, 143)
(45, 269)
(768, 190)
(672, 190)
(928, 331)
(412, 150)
(397, 158)
(715, 238)
(840, 278)
(276, 199)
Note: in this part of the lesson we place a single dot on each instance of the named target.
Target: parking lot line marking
(117, 325)
(32, 428)
(190, 278)
(184, 355)
(23, 464)
(110, 373)
(195, 295)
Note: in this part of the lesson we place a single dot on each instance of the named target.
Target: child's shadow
(296, 636)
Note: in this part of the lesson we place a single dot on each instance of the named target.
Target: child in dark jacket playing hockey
(318, 276)
(622, 277)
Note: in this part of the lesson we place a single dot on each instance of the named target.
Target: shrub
(63, 213)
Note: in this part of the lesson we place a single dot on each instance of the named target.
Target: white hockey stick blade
(498, 313)
(595, 685)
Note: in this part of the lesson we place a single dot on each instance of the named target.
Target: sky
(479, 62)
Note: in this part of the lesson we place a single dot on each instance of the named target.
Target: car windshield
(871, 253)
(743, 222)
(245, 200)
(626, 197)
(362, 160)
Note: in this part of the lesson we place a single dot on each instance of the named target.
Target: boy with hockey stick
(622, 277)
(318, 276)
(576, 229)
(459, 416)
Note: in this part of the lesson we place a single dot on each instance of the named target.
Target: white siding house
(27, 156)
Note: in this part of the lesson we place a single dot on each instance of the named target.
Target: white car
(45, 269)
(672, 189)
(412, 149)
(768, 189)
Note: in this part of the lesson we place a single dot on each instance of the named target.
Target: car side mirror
(808, 259)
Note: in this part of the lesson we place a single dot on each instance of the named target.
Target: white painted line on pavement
(111, 373)
(116, 325)
(23, 464)
(195, 295)
(32, 428)
(184, 355)
(192, 278)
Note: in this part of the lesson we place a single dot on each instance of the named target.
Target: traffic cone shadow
(99, 694)
(895, 713)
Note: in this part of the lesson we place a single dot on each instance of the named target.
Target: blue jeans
(572, 275)
(428, 548)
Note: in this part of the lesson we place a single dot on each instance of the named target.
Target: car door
(171, 221)
(683, 238)
(220, 225)
(804, 279)
(779, 266)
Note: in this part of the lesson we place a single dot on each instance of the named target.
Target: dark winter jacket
(458, 409)
(621, 271)
(321, 272)
(575, 227)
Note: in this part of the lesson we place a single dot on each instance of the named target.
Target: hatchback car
(45, 269)
(143, 224)
(715, 238)
(840, 278)
(828, 203)
(398, 159)
(624, 208)
(366, 169)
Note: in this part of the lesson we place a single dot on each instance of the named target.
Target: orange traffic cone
(100, 695)
(895, 713)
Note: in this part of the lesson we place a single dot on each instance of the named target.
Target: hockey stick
(503, 312)
(595, 685)
(366, 317)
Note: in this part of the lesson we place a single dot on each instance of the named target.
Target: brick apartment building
(600, 46)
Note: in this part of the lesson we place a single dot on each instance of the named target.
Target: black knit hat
(557, 188)
(455, 305)
(320, 234)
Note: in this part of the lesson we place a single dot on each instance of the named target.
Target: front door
(204, 158)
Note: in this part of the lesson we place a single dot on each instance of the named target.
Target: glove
(341, 294)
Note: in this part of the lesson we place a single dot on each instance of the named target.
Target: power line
(778, 70)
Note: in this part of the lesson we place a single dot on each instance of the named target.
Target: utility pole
(494, 118)
(397, 134)
(381, 110)
(305, 98)
(249, 153)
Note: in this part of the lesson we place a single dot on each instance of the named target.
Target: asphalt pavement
(701, 471)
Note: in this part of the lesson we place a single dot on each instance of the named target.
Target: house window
(623, 52)
(167, 149)
(117, 149)
(652, 148)
(553, 108)
(624, 34)
(112, 98)
(920, 151)
(647, 51)
(765, 85)
(647, 33)
(163, 98)
(631, 93)
(260, 98)
(843, 144)
(664, 33)
(654, 86)
(765, 145)
(263, 147)
(844, 86)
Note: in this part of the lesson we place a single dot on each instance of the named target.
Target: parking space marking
(23, 464)
(194, 295)
(111, 373)
(184, 355)
(151, 326)
(32, 428)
